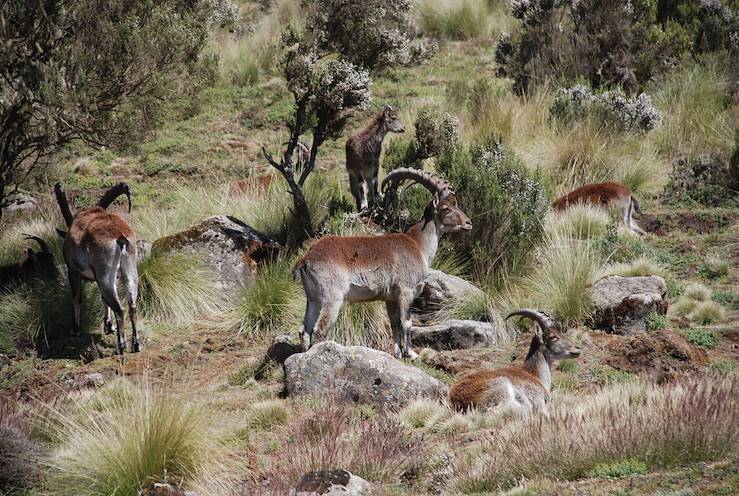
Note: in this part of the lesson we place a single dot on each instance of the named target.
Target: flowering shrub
(507, 204)
(371, 34)
(705, 179)
(612, 107)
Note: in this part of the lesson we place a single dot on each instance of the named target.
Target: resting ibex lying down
(99, 247)
(32, 265)
(389, 267)
(606, 195)
(523, 388)
(363, 156)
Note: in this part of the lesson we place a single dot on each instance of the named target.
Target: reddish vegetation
(595, 194)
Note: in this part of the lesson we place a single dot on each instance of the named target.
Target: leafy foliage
(705, 179)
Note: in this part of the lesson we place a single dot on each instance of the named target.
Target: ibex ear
(62, 234)
(387, 109)
(435, 201)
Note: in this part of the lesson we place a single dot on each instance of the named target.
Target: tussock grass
(563, 270)
(708, 312)
(455, 19)
(176, 287)
(578, 221)
(643, 265)
(683, 306)
(362, 324)
(715, 266)
(117, 447)
(620, 423)
(267, 414)
(419, 412)
(697, 291)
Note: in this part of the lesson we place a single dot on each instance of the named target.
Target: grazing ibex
(32, 265)
(363, 156)
(606, 195)
(99, 247)
(388, 267)
(523, 388)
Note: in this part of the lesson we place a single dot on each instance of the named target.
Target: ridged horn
(430, 181)
(41, 242)
(544, 320)
(113, 193)
(61, 198)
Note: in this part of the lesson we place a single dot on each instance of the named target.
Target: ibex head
(549, 331)
(392, 120)
(443, 209)
(39, 264)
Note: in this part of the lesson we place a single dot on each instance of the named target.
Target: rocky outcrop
(358, 374)
(228, 246)
(440, 287)
(331, 483)
(620, 304)
(454, 335)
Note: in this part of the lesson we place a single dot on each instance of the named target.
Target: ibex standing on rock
(523, 388)
(606, 195)
(363, 156)
(100, 246)
(389, 267)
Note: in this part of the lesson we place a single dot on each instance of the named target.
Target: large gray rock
(621, 303)
(440, 287)
(331, 483)
(358, 374)
(228, 246)
(455, 335)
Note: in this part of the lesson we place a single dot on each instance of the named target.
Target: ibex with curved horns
(100, 246)
(522, 388)
(389, 267)
(32, 265)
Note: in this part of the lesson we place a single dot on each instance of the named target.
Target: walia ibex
(32, 265)
(607, 195)
(389, 267)
(363, 156)
(523, 388)
(100, 246)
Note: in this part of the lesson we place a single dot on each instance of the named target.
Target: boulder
(331, 483)
(621, 303)
(358, 374)
(228, 246)
(439, 287)
(85, 381)
(454, 335)
(158, 489)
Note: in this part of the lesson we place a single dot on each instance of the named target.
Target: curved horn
(113, 193)
(544, 320)
(41, 242)
(61, 198)
(431, 182)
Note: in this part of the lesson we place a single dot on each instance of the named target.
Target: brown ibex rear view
(607, 195)
(100, 246)
(389, 267)
(363, 156)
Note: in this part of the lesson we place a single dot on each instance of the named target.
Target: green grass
(606, 376)
(714, 267)
(655, 321)
(703, 338)
(579, 222)
(454, 19)
(267, 414)
(618, 470)
(116, 447)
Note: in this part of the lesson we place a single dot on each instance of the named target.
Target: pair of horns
(430, 181)
(113, 193)
(41, 242)
(545, 321)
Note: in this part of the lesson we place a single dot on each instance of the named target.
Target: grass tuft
(418, 413)
(267, 414)
(697, 291)
(643, 265)
(618, 470)
(707, 312)
(578, 222)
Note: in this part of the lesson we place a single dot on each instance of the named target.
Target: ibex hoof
(135, 346)
(120, 348)
(108, 328)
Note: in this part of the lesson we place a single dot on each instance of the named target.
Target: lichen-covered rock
(228, 246)
(440, 287)
(158, 489)
(454, 335)
(621, 303)
(331, 483)
(359, 374)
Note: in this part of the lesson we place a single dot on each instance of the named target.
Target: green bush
(704, 180)
(504, 200)
(655, 321)
(618, 470)
(703, 338)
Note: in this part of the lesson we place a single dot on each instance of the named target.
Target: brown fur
(603, 194)
(473, 388)
(96, 226)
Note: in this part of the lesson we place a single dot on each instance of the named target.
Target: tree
(90, 70)
(325, 89)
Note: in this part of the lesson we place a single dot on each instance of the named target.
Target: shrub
(704, 180)
(435, 135)
(176, 287)
(655, 321)
(707, 312)
(702, 338)
(618, 470)
(119, 447)
(373, 34)
(505, 201)
(622, 422)
(612, 108)
(268, 413)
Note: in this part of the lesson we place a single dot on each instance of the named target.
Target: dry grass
(623, 422)
(578, 221)
(643, 265)
(461, 19)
